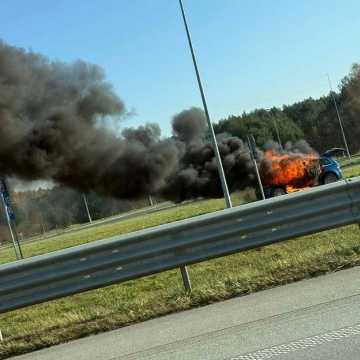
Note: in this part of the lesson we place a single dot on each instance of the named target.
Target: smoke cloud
(190, 125)
(50, 126)
(49, 115)
(198, 176)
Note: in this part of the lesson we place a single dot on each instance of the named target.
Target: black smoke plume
(50, 129)
(49, 115)
(198, 176)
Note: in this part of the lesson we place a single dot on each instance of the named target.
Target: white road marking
(301, 344)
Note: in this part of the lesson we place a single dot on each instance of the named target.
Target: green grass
(352, 162)
(109, 308)
(352, 171)
(119, 305)
(123, 226)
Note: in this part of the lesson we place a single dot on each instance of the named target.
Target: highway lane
(312, 319)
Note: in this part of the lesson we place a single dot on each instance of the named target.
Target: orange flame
(293, 170)
(290, 189)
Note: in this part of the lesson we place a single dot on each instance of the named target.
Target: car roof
(333, 152)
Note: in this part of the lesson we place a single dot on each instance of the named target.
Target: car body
(330, 170)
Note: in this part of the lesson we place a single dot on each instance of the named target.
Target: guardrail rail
(169, 246)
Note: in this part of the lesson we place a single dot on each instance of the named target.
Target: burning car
(285, 173)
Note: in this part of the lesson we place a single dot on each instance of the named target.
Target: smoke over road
(50, 116)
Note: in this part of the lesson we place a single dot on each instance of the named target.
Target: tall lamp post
(212, 133)
(183, 268)
(276, 130)
(87, 208)
(278, 134)
(339, 118)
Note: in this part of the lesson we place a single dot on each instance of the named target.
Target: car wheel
(330, 178)
(278, 192)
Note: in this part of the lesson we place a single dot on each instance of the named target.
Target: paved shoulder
(305, 320)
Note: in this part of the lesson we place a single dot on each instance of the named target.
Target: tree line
(314, 120)
(40, 211)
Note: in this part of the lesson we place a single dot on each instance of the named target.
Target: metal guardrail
(165, 247)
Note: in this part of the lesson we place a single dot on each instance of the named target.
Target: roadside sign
(6, 198)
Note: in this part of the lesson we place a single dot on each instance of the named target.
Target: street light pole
(276, 129)
(212, 133)
(339, 118)
(87, 208)
(278, 134)
(252, 149)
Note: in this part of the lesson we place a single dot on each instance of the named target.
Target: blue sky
(251, 53)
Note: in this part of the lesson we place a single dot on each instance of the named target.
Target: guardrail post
(186, 278)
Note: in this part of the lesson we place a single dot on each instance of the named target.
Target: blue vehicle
(328, 171)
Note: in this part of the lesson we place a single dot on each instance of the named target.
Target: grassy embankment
(109, 308)
(345, 162)
(352, 171)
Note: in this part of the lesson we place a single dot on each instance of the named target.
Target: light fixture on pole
(212, 133)
(339, 118)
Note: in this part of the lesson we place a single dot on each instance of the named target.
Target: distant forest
(314, 120)
(40, 211)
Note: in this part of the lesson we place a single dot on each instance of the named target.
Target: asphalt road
(313, 319)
